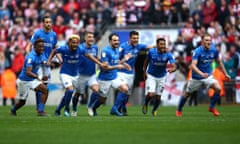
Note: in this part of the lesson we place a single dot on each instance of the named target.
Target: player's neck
(46, 30)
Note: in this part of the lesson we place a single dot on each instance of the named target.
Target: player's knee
(124, 88)
(95, 89)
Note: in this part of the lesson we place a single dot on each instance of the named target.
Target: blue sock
(38, 98)
(119, 100)
(123, 104)
(214, 100)
(97, 104)
(74, 103)
(61, 105)
(68, 97)
(181, 103)
(41, 107)
(156, 104)
(93, 98)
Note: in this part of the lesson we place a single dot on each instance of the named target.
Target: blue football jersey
(204, 60)
(158, 62)
(126, 48)
(50, 40)
(71, 60)
(32, 60)
(111, 56)
(87, 66)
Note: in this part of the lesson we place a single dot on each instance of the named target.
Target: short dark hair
(111, 35)
(88, 32)
(38, 41)
(45, 17)
(133, 33)
(160, 39)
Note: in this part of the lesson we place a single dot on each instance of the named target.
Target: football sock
(214, 100)
(41, 107)
(181, 103)
(119, 100)
(156, 104)
(74, 103)
(93, 98)
(147, 99)
(68, 97)
(38, 98)
(61, 105)
(123, 104)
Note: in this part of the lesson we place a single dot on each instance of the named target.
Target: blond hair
(74, 36)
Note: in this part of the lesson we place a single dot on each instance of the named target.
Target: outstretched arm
(52, 54)
(96, 60)
(223, 68)
(29, 47)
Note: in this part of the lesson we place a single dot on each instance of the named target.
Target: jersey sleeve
(104, 56)
(29, 61)
(121, 52)
(55, 40)
(59, 50)
(34, 37)
(171, 58)
(142, 47)
(195, 54)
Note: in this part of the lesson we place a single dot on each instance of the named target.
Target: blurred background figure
(9, 88)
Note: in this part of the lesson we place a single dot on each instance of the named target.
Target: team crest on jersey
(29, 61)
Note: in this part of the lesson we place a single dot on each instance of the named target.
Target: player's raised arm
(52, 54)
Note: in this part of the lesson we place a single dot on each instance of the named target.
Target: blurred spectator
(59, 27)
(9, 87)
(18, 16)
(76, 22)
(222, 12)
(31, 13)
(209, 11)
(99, 18)
(84, 16)
(18, 61)
(90, 27)
(4, 11)
(132, 12)
(158, 16)
(120, 15)
(71, 5)
(146, 12)
(2, 61)
(107, 12)
(84, 4)
(197, 21)
(92, 10)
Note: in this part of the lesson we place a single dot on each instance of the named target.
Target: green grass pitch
(197, 126)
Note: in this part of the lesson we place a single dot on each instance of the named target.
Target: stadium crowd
(220, 18)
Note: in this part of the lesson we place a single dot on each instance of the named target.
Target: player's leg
(98, 98)
(216, 96)
(122, 87)
(150, 89)
(41, 106)
(23, 90)
(192, 86)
